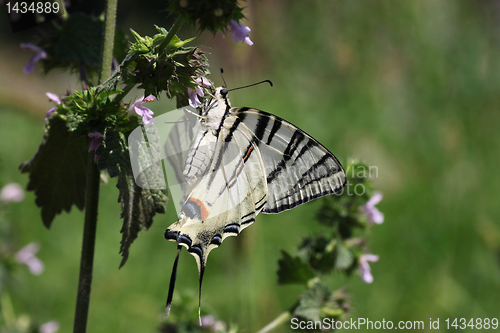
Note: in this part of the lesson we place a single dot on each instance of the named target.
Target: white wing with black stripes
(298, 168)
(245, 161)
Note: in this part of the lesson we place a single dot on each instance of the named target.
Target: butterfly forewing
(298, 168)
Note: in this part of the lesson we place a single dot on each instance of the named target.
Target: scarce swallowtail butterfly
(241, 162)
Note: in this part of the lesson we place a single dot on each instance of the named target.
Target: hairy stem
(87, 258)
(92, 190)
(108, 41)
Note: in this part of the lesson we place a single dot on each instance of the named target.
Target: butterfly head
(221, 93)
(218, 99)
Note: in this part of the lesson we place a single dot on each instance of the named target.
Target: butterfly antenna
(172, 282)
(222, 76)
(251, 85)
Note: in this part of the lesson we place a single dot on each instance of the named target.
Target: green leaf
(138, 208)
(176, 42)
(113, 153)
(319, 252)
(345, 258)
(336, 305)
(311, 302)
(139, 205)
(58, 171)
(156, 67)
(293, 270)
(77, 41)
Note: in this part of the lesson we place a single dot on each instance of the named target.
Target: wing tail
(172, 282)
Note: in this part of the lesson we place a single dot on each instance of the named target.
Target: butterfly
(240, 162)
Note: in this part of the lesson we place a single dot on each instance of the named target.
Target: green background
(409, 87)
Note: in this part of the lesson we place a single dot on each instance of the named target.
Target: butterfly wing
(176, 149)
(226, 199)
(298, 168)
(259, 162)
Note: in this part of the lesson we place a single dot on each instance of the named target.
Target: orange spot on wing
(203, 209)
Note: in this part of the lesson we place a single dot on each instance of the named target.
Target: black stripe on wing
(285, 149)
(254, 143)
(285, 204)
(297, 138)
(224, 146)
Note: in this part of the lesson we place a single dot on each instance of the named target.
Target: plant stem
(177, 25)
(108, 41)
(276, 322)
(87, 258)
(124, 92)
(92, 190)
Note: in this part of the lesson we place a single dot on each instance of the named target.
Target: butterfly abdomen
(199, 156)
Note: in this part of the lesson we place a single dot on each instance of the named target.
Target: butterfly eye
(223, 92)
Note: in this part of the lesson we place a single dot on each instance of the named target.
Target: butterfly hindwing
(226, 199)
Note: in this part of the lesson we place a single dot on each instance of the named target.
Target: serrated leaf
(139, 205)
(113, 153)
(58, 171)
(293, 270)
(312, 301)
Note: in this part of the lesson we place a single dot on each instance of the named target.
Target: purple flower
(49, 327)
(374, 215)
(27, 256)
(208, 321)
(144, 112)
(364, 268)
(240, 32)
(193, 94)
(53, 98)
(12, 193)
(40, 54)
(95, 143)
(115, 65)
(218, 326)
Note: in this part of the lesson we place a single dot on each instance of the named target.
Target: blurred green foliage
(408, 87)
